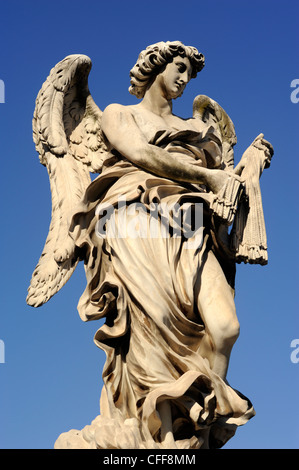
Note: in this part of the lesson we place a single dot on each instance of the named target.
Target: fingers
(263, 144)
(263, 141)
(236, 173)
(268, 145)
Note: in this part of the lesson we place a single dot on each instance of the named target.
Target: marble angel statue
(170, 319)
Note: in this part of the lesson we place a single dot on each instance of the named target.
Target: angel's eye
(181, 67)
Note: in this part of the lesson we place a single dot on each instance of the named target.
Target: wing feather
(67, 135)
(210, 112)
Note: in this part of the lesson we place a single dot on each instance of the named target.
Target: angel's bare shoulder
(116, 110)
(116, 115)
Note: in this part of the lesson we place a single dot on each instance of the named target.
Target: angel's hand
(216, 179)
(265, 146)
(261, 144)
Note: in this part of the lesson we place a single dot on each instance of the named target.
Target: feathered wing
(225, 203)
(210, 112)
(68, 138)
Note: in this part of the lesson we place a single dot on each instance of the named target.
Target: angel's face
(175, 77)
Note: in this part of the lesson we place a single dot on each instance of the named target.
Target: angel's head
(152, 61)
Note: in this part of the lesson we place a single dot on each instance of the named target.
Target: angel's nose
(184, 78)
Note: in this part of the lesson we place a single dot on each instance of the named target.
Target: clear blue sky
(51, 379)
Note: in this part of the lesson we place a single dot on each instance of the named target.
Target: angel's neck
(156, 102)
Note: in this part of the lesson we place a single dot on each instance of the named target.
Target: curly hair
(151, 61)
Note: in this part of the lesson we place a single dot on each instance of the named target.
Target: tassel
(225, 203)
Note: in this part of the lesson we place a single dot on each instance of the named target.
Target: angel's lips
(180, 86)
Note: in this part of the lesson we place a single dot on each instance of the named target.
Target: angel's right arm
(122, 132)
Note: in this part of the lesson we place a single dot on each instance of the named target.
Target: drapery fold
(145, 288)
